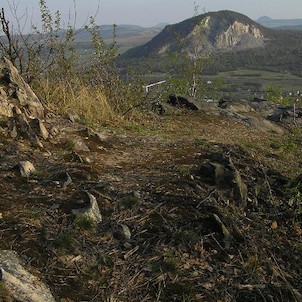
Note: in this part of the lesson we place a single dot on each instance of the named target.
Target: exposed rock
(26, 168)
(6, 108)
(236, 110)
(20, 108)
(251, 121)
(19, 283)
(15, 90)
(183, 101)
(101, 136)
(68, 181)
(236, 106)
(72, 116)
(39, 128)
(80, 145)
(237, 34)
(19, 125)
(263, 106)
(221, 171)
(260, 106)
(122, 232)
(54, 131)
(213, 173)
(221, 31)
(227, 237)
(287, 115)
(239, 189)
(91, 210)
(98, 137)
(264, 125)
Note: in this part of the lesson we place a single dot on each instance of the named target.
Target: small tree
(185, 72)
(274, 94)
(47, 58)
(103, 71)
(42, 50)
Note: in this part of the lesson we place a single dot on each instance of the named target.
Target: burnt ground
(190, 241)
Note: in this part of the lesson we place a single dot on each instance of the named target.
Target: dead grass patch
(88, 102)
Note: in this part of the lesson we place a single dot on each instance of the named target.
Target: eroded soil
(146, 177)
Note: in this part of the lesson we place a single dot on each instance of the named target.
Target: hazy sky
(152, 12)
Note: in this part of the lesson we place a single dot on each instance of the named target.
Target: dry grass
(89, 103)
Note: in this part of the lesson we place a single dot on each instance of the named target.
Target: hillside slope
(190, 206)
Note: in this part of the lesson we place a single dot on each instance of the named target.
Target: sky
(151, 12)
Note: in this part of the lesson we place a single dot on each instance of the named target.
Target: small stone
(240, 189)
(72, 116)
(123, 232)
(37, 143)
(17, 111)
(87, 160)
(40, 129)
(79, 145)
(54, 131)
(26, 168)
(12, 128)
(101, 137)
(137, 194)
(91, 210)
(67, 182)
(222, 172)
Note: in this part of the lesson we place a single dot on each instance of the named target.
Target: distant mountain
(122, 31)
(126, 36)
(161, 25)
(221, 31)
(231, 39)
(263, 19)
(280, 23)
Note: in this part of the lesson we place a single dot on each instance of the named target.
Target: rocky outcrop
(287, 115)
(31, 128)
(20, 108)
(258, 114)
(240, 35)
(183, 102)
(261, 106)
(20, 284)
(14, 91)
